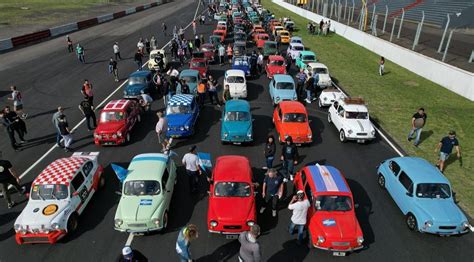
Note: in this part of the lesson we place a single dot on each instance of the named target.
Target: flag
(120, 172)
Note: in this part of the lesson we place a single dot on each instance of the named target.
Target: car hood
(32, 215)
(179, 119)
(136, 88)
(359, 125)
(295, 129)
(138, 208)
(235, 128)
(111, 127)
(285, 93)
(443, 211)
(241, 67)
(231, 209)
(324, 78)
(337, 225)
(276, 69)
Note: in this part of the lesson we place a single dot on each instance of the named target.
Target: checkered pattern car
(58, 196)
(182, 113)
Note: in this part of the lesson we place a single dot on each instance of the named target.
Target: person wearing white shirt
(260, 62)
(161, 129)
(173, 72)
(145, 101)
(191, 162)
(300, 206)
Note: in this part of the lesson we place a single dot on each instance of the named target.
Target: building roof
(120, 104)
(327, 179)
(60, 172)
(181, 100)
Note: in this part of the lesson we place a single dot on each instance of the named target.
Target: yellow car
(284, 36)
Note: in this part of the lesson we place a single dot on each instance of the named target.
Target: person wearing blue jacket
(185, 236)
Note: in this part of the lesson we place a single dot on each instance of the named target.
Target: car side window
(77, 181)
(406, 182)
(340, 110)
(309, 195)
(164, 179)
(394, 167)
(303, 177)
(273, 83)
(87, 168)
(279, 112)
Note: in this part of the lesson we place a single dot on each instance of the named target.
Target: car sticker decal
(50, 209)
(329, 222)
(146, 202)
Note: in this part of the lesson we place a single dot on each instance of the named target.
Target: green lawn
(393, 99)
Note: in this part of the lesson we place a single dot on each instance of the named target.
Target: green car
(215, 40)
(146, 194)
(304, 58)
(270, 48)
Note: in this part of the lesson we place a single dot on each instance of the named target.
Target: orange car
(222, 27)
(260, 39)
(221, 33)
(274, 24)
(257, 27)
(291, 119)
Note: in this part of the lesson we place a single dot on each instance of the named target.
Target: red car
(116, 121)
(332, 221)
(199, 64)
(276, 65)
(209, 52)
(222, 27)
(231, 199)
(260, 39)
(291, 119)
(221, 33)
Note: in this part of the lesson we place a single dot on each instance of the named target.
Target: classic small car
(289, 25)
(332, 222)
(277, 29)
(296, 40)
(291, 119)
(221, 27)
(258, 31)
(350, 116)
(304, 58)
(199, 64)
(329, 96)
(284, 36)
(294, 50)
(323, 74)
(116, 122)
(58, 196)
(221, 33)
(260, 40)
(215, 40)
(423, 194)
(152, 65)
(276, 65)
(239, 49)
(232, 207)
(270, 48)
(236, 122)
(139, 82)
(209, 52)
(237, 83)
(282, 88)
(240, 38)
(242, 63)
(182, 113)
(146, 194)
(192, 78)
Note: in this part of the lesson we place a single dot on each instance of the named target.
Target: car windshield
(241, 62)
(284, 34)
(198, 64)
(294, 117)
(111, 116)
(298, 48)
(320, 71)
(235, 79)
(171, 110)
(433, 190)
(134, 80)
(357, 115)
(284, 85)
(141, 188)
(308, 58)
(232, 189)
(277, 62)
(219, 33)
(270, 45)
(237, 116)
(207, 49)
(49, 192)
(263, 37)
(333, 203)
(189, 79)
(296, 41)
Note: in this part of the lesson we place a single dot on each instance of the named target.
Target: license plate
(298, 144)
(339, 254)
(109, 143)
(237, 143)
(174, 136)
(360, 141)
(231, 236)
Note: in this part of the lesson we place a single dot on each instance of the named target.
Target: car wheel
(72, 223)
(310, 241)
(381, 181)
(139, 118)
(329, 118)
(319, 104)
(411, 222)
(127, 138)
(342, 136)
(165, 220)
(102, 181)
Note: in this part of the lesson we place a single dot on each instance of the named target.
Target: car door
(79, 192)
(167, 186)
(338, 117)
(391, 177)
(277, 118)
(404, 192)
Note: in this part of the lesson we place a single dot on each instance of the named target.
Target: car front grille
(232, 227)
(361, 134)
(137, 225)
(447, 227)
(340, 244)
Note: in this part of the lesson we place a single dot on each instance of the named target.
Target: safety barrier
(30, 38)
(104, 18)
(63, 29)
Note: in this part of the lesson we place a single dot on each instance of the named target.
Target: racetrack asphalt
(48, 76)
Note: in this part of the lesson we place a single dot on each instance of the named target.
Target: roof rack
(354, 101)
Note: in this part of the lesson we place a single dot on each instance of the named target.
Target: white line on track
(129, 239)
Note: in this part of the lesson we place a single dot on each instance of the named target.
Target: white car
(350, 116)
(294, 50)
(276, 29)
(323, 74)
(296, 39)
(329, 96)
(58, 195)
(151, 62)
(224, 23)
(237, 84)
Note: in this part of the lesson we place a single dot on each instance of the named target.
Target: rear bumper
(35, 238)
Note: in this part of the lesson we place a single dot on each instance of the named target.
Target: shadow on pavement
(364, 210)
(291, 252)
(222, 253)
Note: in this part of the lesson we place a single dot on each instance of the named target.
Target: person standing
(201, 90)
(141, 46)
(253, 63)
(226, 94)
(87, 91)
(17, 99)
(70, 47)
(300, 80)
(145, 102)
(229, 53)
(272, 190)
(299, 205)
(147, 45)
(260, 62)
(289, 60)
(289, 156)
(191, 163)
(164, 28)
(113, 69)
(212, 83)
(202, 39)
(249, 247)
(153, 43)
(129, 255)
(161, 129)
(116, 49)
(15, 123)
(63, 127)
(190, 48)
(221, 51)
(270, 150)
(138, 59)
(197, 42)
(309, 85)
(194, 27)
(9, 129)
(445, 147)
(186, 235)
(55, 121)
(381, 65)
(80, 53)
(8, 176)
(418, 121)
(87, 110)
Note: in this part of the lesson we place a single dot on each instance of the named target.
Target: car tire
(139, 118)
(381, 181)
(102, 181)
(329, 118)
(411, 222)
(310, 241)
(319, 103)
(127, 138)
(342, 136)
(165, 220)
(72, 223)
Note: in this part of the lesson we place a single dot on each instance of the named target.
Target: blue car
(423, 194)
(242, 63)
(192, 78)
(182, 112)
(236, 122)
(139, 82)
(282, 88)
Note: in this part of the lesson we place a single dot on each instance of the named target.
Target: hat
(300, 192)
(288, 138)
(127, 251)
(192, 148)
(452, 133)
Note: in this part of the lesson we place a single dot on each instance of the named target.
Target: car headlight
(114, 136)
(119, 134)
(321, 239)
(325, 98)
(295, 97)
(169, 128)
(213, 223)
(181, 128)
(97, 136)
(349, 131)
(55, 226)
(277, 98)
(44, 229)
(250, 223)
(428, 223)
(23, 231)
(17, 227)
(118, 222)
(155, 221)
(142, 92)
(360, 240)
(310, 135)
(225, 135)
(186, 127)
(249, 135)
(465, 224)
(373, 132)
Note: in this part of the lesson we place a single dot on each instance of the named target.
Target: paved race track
(48, 76)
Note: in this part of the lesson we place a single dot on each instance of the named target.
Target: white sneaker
(285, 180)
(274, 213)
(264, 168)
(262, 209)
(291, 177)
(307, 101)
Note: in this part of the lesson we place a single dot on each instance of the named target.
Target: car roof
(276, 57)
(353, 104)
(148, 166)
(189, 72)
(326, 178)
(283, 78)
(235, 72)
(420, 170)
(181, 100)
(61, 171)
(120, 104)
(270, 42)
(306, 52)
(292, 106)
(232, 168)
(237, 105)
(263, 34)
(297, 44)
(142, 73)
(318, 65)
(296, 38)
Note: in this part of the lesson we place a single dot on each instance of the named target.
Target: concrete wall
(455, 79)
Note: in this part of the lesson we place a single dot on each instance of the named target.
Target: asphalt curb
(36, 37)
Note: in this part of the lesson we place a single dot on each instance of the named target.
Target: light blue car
(236, 122)
(423, 194)
(192, 78)
(282, 88)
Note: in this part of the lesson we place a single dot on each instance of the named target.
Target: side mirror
(409, 194)
(309, 121)
(118, 193)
